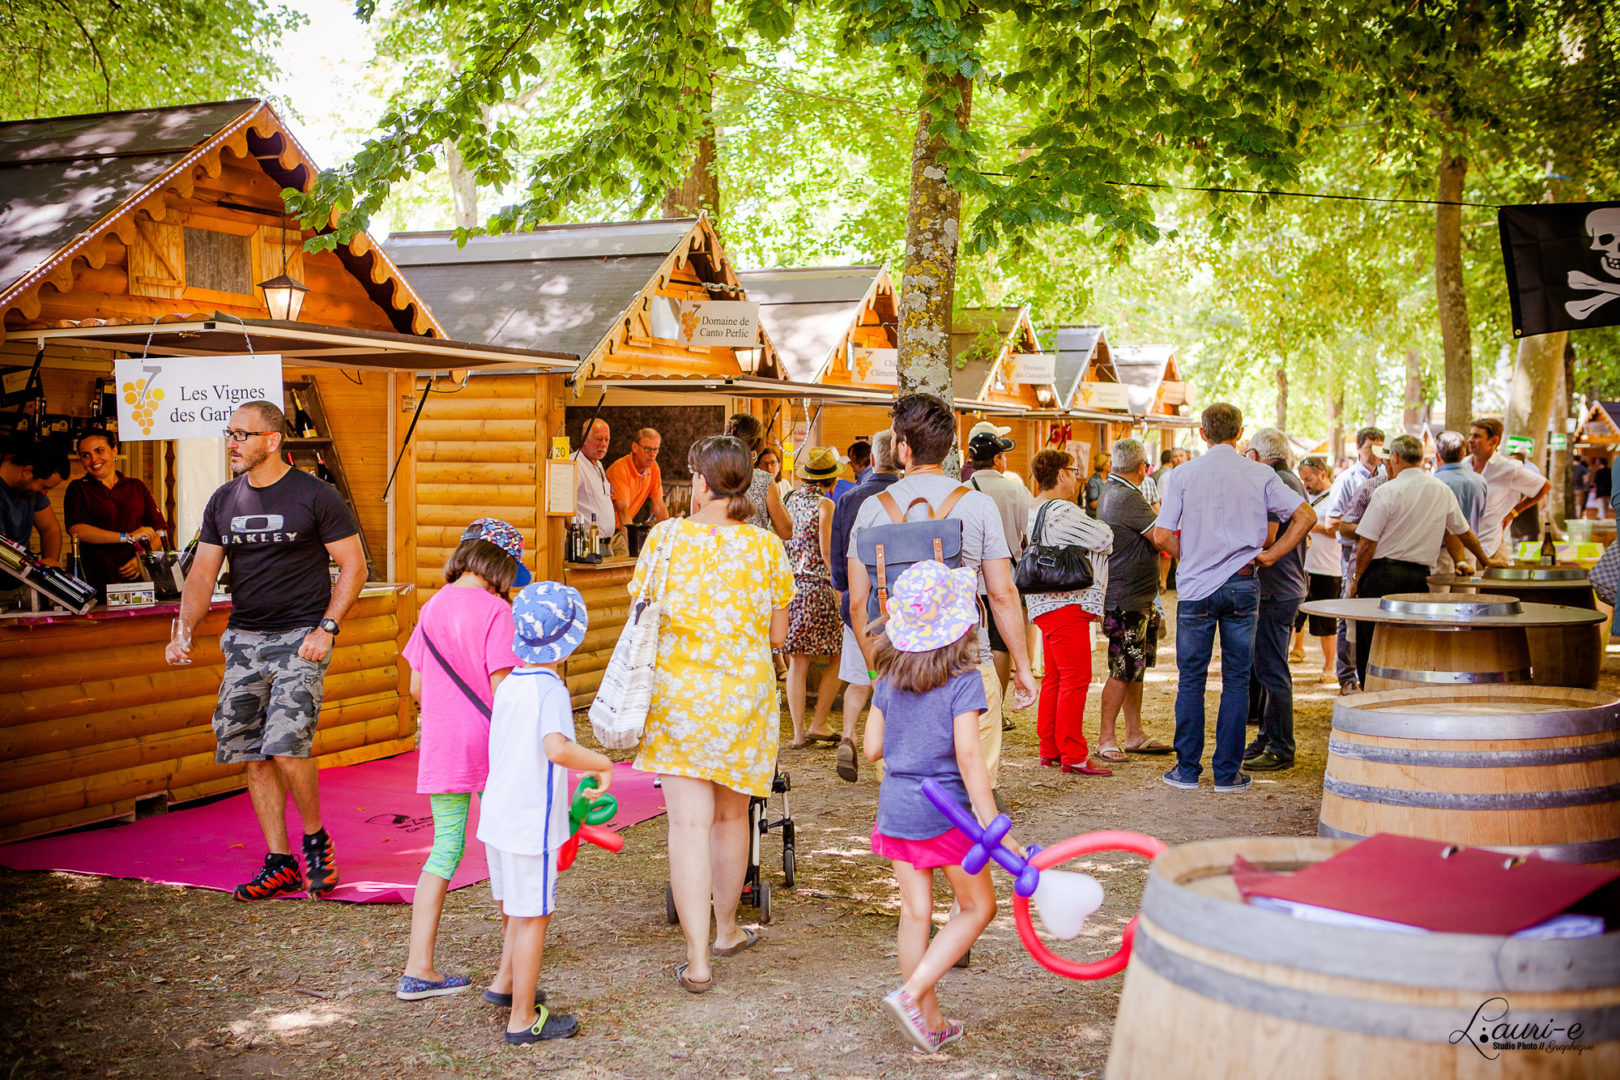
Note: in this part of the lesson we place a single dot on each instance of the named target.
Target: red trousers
(1066, 634)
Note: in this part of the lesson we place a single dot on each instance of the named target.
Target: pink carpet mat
(381, 827)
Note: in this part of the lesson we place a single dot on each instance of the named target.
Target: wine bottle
(322, 472)
(596, 537)
(303, 426)
(1549, 550)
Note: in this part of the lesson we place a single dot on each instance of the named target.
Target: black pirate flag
(1563, 265)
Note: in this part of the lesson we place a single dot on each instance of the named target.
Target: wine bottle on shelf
(303, 426)
(1549, 550)
(322, 472)
(40, 430)
(596, 537)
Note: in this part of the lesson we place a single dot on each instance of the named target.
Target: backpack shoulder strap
(950, 502)
(891, 507)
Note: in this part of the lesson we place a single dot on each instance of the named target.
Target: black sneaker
(1267, 762)
(1178, 779)
(277, 877)
(320, 861)
(1240, 782)
(1254, 750)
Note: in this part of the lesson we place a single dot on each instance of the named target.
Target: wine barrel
(1517, 768)
(1216, 988)
(1559, 655)
(1414, 654)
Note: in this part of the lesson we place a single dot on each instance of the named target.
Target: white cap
(986, 426)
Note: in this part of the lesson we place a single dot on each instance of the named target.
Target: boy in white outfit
(523, 818)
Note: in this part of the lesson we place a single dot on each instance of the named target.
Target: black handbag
(1047, 569)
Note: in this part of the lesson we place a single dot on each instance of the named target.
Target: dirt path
(125, 979)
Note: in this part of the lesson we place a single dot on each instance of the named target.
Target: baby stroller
(756, 890)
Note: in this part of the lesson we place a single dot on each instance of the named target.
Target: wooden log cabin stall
(1001, 374)
(147, 234)
(834, 327)
(1094, 405)
(1163, 404)
(620, 295)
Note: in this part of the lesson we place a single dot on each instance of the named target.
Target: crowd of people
(903, 584)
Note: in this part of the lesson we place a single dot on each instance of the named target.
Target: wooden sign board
(1034, 367)
(1102, 395)
(875, 367)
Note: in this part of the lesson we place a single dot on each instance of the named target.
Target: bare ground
(128, 979)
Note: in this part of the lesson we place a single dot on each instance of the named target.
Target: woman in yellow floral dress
(712, 730)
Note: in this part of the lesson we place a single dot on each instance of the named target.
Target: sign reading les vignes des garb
(727, 323)
(190, 397)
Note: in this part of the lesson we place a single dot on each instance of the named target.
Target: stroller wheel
(764, 904)
(787, 867)
(671, 916)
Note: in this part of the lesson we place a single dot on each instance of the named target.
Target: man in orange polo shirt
(636, 480)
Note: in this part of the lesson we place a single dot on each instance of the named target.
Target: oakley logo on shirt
(259, 529)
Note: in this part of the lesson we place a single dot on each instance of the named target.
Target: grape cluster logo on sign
(191, 397)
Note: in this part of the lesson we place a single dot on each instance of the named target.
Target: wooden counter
(606, 600)
(92, 718)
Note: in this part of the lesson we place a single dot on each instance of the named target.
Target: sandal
(830, 737)
(1111, 753)
(750, 939)
(848, 767)
(1149, 746)
(692, 986)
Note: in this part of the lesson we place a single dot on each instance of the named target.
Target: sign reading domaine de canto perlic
(190, 397)
(727, 323)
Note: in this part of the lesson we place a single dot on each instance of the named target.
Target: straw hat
(819, 463)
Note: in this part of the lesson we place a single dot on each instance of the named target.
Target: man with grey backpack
(932, 515)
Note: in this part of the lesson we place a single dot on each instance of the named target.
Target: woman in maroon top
(109, 513)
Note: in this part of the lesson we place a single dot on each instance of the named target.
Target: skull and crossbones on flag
(1563, 265)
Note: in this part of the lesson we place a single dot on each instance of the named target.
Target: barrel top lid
(1450, 605)
(1534, 573)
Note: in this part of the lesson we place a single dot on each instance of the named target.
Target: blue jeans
(1273, 630)
(1232, 609)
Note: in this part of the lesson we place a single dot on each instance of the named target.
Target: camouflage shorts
(270, 698)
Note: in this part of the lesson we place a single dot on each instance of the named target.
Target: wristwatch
(329, 625)
(123, 538)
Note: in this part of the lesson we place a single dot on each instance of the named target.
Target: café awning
(303, 344)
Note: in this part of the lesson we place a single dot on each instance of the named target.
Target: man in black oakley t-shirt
(278, 525)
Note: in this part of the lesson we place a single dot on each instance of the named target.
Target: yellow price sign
(560, 448)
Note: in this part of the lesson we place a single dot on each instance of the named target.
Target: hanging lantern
(284, 296)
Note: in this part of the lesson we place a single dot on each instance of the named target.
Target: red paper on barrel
(1403, 879)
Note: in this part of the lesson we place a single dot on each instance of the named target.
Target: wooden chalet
(148, 234)
(611, 293)
(985, 345)
(1599, 430)
(1095, 405)
(1160, 401)
(828, 324)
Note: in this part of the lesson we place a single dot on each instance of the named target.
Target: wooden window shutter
(157, 259)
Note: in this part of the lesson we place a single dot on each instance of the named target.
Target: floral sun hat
(932, 606)
(551, 621)
(504, 536)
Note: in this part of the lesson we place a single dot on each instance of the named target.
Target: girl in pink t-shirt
(459, 652)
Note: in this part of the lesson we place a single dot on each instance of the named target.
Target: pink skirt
(947, 849)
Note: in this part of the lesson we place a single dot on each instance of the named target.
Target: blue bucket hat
(551, 621)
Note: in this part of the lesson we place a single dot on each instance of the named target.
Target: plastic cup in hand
(1065, 900)
(180, 634)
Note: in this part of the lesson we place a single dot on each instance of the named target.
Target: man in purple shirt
(1213, 519)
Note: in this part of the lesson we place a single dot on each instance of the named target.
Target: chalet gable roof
(1081, 349)
(808, 312)
(1142, 368)
(981, 340)
(67, 183)
(563, 287)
